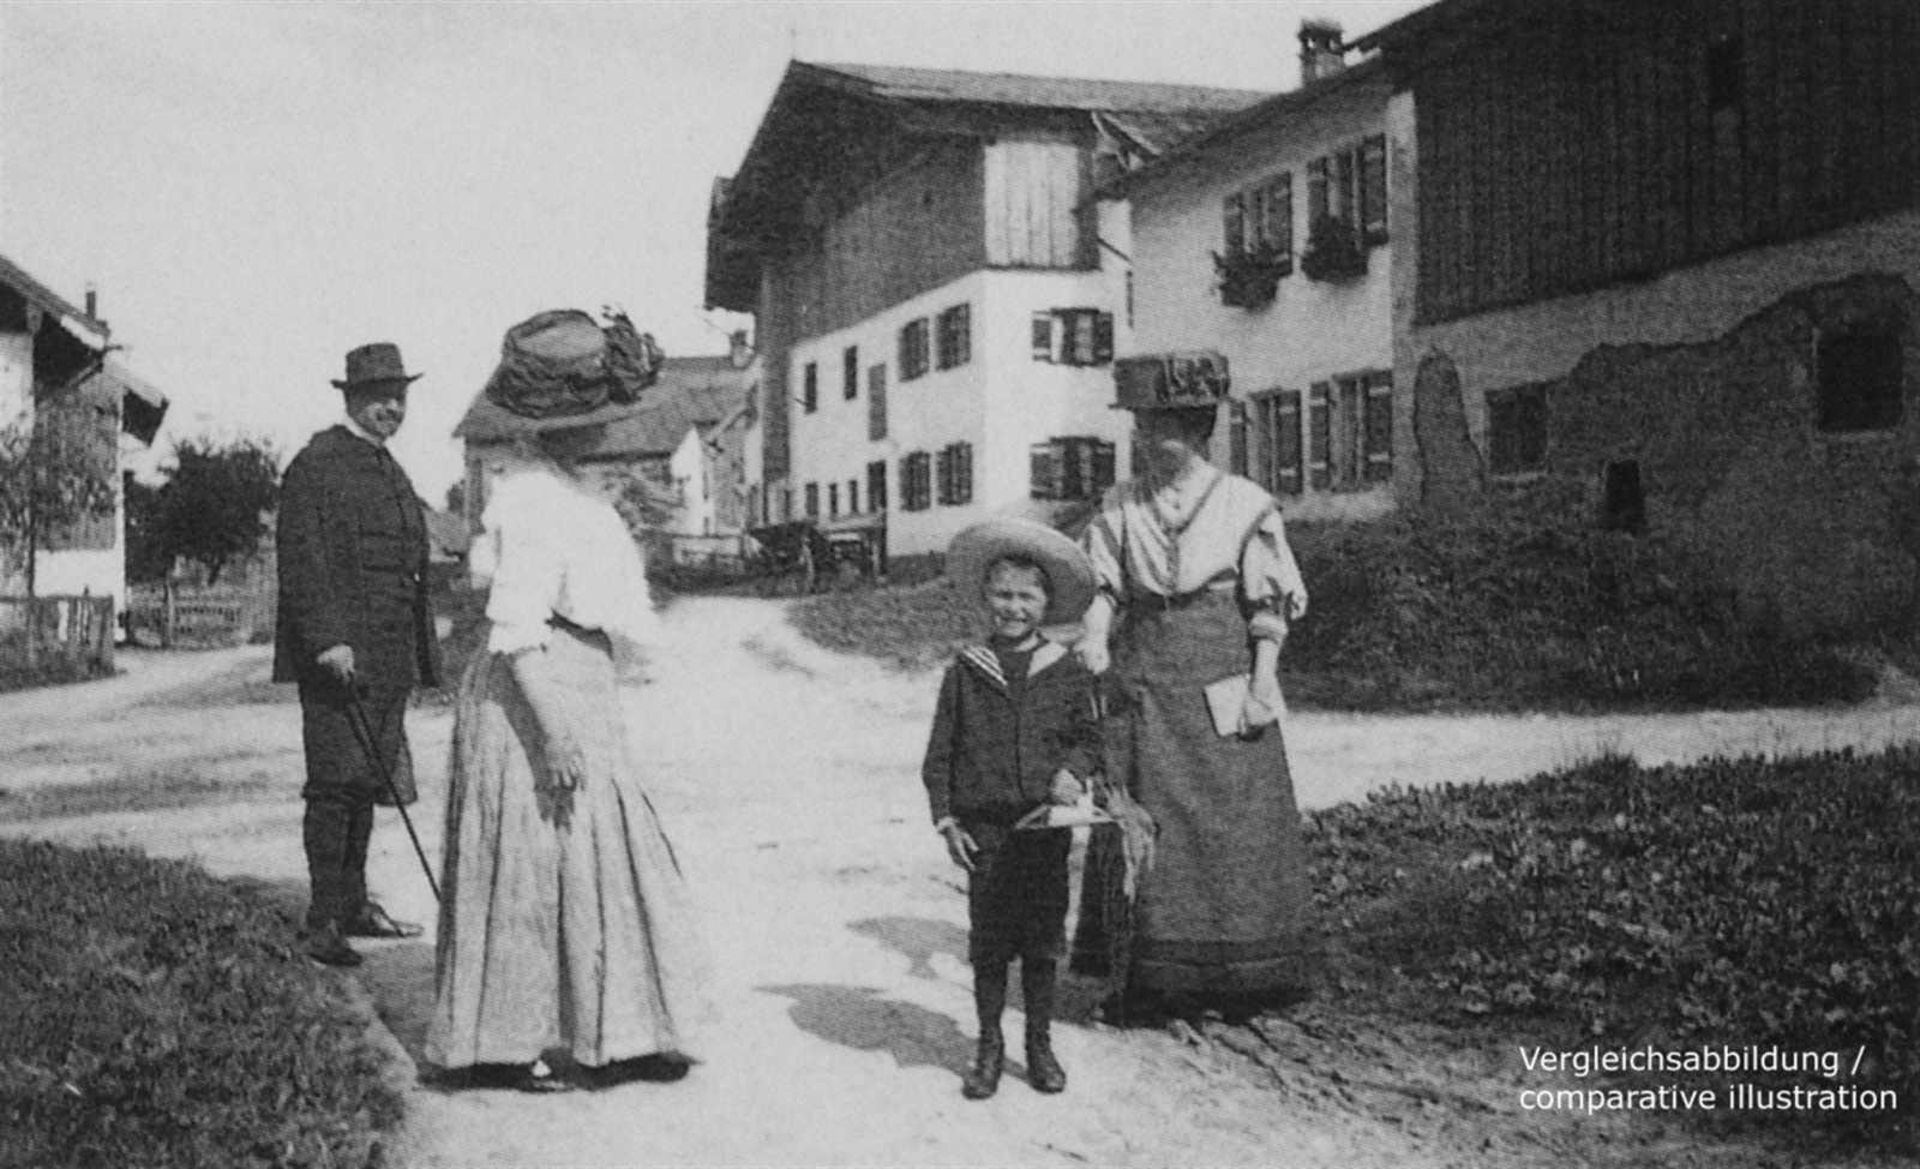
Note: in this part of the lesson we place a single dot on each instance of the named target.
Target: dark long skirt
(1224, 909)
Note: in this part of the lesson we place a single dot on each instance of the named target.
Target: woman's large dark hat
(1195, 379)
(376, 362)
(563, 369)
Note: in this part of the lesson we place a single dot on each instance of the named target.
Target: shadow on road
(399, 975)
(863, 1019)
(918, 938)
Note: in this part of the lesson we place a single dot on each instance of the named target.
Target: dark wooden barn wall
(1566, 153)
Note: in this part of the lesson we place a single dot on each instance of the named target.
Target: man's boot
(1043, 1070)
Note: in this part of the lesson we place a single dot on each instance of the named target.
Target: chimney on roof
(93, 302)
(1321, 52)
(739, 352)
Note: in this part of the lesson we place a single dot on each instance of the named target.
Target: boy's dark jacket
(987, 756)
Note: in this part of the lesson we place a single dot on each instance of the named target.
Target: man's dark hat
(1171, 381)
(375, 362)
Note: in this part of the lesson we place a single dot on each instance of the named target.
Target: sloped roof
(691, 392)
(1223, 130)
(817, 108)
(901, 83)
(86, 329)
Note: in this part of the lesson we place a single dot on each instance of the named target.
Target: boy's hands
(960, 846)
(1066, 790)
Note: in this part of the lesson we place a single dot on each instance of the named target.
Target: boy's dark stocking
(1036, 983)
(989, 1001)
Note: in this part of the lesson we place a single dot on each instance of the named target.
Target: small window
(1861, 381)
(833, 500)
(1075, 468)
(1350, 185)
(850, 373)
(1517, 430)
(955, 341)
(913, 349)
(1073, 336)
(877, 485)
(877, 402)
(810, 389)
(813, 500)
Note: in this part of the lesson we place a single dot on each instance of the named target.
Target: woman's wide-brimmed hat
(1070, 583)
(372, 363)
(1191, 380)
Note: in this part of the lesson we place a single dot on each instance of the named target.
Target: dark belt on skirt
(1159, 603)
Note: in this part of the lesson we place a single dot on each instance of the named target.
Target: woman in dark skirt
(1197, 585)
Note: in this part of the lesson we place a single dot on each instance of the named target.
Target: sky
(255, 188)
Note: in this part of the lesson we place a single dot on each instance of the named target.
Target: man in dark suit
(355, 625)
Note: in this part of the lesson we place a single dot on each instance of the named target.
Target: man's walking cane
(363, 729)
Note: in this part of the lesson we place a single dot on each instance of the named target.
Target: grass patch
(912, 627)
(1731, 903)
(157, 1017)
(178, 786)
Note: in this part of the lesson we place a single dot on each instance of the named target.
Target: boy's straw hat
(1070, 585)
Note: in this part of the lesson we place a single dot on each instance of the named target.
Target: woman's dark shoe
(1043, 1070)
(983, 1078)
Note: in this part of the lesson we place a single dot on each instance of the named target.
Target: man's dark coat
(352, 549)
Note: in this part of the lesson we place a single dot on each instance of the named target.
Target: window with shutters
(1072, 468)
(1350, 432)
(1276, 456)
(877, 485)
(850, 373)
(955, 472)
(813, 500)
(853, 497)
(1350, 185)
(810, 388)
(877, 402)
(913, 349)
(1861, 379)
(1517, 430)
(833, 500)
(1257, 222)
(1073, 336)
(916, 481)
(954, 337)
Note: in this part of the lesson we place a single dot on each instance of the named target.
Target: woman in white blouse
(565, 924)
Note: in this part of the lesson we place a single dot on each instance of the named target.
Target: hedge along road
(787, 777)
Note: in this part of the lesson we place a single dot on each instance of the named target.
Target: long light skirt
(565, 922)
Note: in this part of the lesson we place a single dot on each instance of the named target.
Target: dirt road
(787, 778)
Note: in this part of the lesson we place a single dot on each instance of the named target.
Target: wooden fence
(59, 636)
(158, 615)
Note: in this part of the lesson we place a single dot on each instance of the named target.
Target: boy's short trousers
(1017, 895)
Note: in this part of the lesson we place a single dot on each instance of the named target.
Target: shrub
(1732, 902)
(1503, 609)
(157, 1017)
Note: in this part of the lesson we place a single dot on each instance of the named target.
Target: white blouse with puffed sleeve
(552, 546)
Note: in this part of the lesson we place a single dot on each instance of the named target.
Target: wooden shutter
(943, 474)
(1233, 228)
(877, 402)
(810, 388)
(1102, 338)
(1320, 435)
(1373, 190)
(1280, 218)
(1237, 453)
(1103, 467)
(1286, 472)
(1045, 471)
(1378, 427)
(1042, 336)
(962, 473)
(1316, 190)
(813, 500)
(877, 484)
(962, 333)
(850, 372)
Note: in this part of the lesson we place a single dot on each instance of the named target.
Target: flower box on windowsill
(1333, 251)
(1250, 279)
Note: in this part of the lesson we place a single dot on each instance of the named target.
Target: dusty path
(787, 777)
